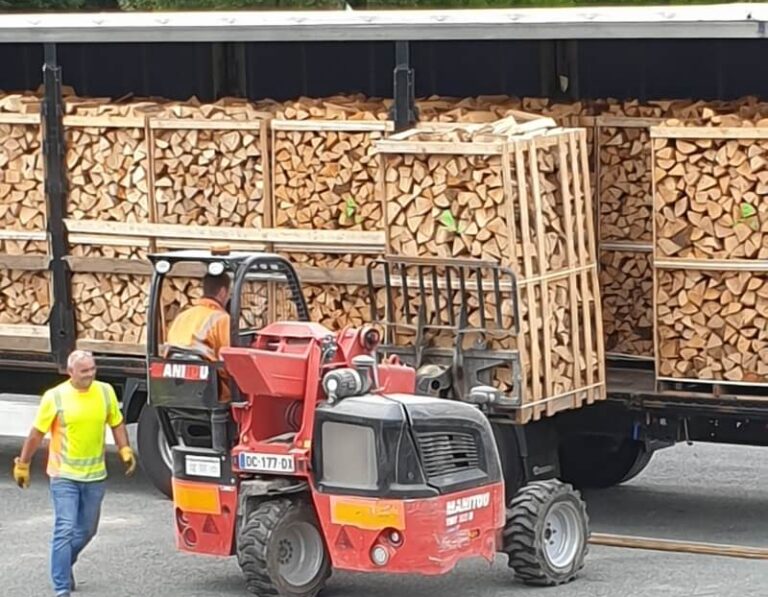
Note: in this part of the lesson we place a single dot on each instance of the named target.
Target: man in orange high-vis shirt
(204, 327)
(76, 413)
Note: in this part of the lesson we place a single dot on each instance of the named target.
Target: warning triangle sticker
(343, 541)
(210, 526)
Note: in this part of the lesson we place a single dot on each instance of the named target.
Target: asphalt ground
(704, 493)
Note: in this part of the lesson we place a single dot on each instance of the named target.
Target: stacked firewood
(326, 179)
(24, 297)
(211, 173)
(22, 203)
(325, 176)
(713, 325)
(110, 307)
(711, 198)
(626, 286)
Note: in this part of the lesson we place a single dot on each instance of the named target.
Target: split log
(25, 297)
(626, 284)
(713, 325)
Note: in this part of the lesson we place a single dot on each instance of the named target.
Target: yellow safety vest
(77, 422)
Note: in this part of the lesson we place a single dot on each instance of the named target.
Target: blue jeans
(76, 510)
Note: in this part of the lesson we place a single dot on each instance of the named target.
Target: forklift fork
(448, 372)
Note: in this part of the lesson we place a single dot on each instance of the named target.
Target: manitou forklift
(342, 451)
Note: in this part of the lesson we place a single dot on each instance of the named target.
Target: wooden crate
(108, 168)
(625, 230)
(523, 200)
(25, 285)
(710, 231)
(125, 203)
(210, 172)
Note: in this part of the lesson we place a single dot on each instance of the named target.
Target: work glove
(129, 460)
(21, 473)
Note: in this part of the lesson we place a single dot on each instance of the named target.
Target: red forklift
(341, 451)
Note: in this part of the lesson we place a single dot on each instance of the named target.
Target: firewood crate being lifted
(515, 192)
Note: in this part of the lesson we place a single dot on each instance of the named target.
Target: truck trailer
(565, 56)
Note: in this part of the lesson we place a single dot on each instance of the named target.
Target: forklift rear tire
(154, 453)
(546, 533)
(281, 550)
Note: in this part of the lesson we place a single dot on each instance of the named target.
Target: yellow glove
(129, 460)
(21, 473)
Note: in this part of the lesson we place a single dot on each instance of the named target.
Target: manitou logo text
(463, 509)
(177, 371)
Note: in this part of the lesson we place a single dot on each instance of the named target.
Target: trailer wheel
(601, 461)
(281, 550)
(154, 452)
(546, 533)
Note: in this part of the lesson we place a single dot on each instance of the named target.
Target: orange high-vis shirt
(203, 328)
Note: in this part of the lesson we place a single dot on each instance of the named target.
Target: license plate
(202, 466)
(267, 463)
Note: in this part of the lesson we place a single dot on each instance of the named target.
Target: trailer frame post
(62, 317)
(404, 112)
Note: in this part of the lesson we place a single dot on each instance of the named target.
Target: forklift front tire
(546, 533)
(281, 550)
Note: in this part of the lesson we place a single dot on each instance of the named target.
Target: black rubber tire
(524, 533)
(601, 461)
(642, 461)
(150, 457)
(257, 551)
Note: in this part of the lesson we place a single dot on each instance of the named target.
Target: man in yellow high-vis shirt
(76, 413)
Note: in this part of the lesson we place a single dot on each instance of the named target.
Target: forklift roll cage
(201, 403)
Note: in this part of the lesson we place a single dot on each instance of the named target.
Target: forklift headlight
(369, 338)
(216, 268)
(163, 267)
